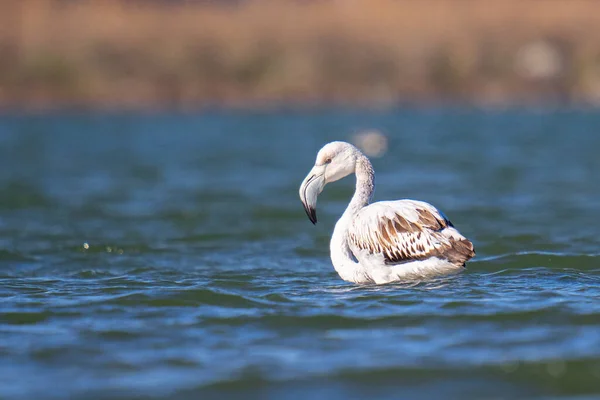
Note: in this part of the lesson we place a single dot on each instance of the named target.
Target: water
(168, 256)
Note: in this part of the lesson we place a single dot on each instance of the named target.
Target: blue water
(168, 256)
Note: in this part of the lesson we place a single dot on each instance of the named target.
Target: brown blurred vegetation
(143, 53)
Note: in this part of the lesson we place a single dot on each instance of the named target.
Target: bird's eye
(328, 161)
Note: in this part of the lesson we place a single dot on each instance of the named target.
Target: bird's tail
(462, 250)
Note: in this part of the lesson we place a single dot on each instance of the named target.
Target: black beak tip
(312, 214)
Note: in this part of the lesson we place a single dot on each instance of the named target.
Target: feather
(408, 230)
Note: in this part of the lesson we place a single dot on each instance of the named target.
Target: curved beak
(310, 189)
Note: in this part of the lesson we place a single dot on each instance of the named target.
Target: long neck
(342, 258)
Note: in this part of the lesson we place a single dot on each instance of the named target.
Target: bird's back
(395, 233)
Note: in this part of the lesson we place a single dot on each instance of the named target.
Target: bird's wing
(407, 230)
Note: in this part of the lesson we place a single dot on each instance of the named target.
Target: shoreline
(310, 108)
(260, 53)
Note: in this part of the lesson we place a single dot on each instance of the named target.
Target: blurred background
(153, 245)
(253, 53)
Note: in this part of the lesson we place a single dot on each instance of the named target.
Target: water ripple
(168, 256)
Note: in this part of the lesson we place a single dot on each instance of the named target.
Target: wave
(546, 259)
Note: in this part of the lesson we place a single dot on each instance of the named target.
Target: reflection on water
(169, 255)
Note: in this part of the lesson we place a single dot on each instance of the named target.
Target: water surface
(168, 256)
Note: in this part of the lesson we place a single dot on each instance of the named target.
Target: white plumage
(385, 241)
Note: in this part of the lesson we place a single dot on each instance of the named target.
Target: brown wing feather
(401, 240)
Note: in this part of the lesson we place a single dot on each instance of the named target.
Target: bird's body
(386, 241)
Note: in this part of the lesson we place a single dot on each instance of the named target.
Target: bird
(384, 241)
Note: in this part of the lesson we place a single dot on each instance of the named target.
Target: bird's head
(334, 161)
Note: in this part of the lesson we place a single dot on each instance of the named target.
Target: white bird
(387, 241)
